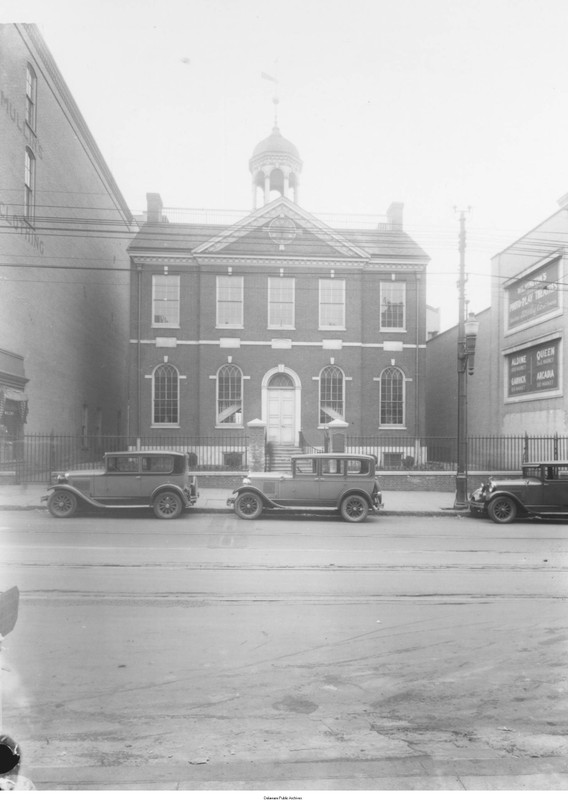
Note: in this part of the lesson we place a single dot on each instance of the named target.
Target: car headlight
(246, 481)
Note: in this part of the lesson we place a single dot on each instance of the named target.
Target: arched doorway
(281, 404)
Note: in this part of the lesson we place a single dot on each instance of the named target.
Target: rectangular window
(29, 184)
(229, 301)
(161, 464)
(31, 90)
(304, 466)
(393, 305)
(281, 302)
(165, 301)
(331, 303)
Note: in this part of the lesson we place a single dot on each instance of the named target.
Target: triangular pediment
(281, 228)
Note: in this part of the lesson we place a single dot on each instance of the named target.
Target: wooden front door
(281, 409)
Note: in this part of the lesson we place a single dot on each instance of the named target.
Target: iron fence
(483, 453)
(36, 457)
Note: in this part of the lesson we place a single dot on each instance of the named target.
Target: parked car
(541, 492)
(157, 479)
(340, 481)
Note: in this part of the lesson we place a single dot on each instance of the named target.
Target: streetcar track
(214, 567)
(192, 599)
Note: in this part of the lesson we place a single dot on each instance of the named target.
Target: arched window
(229, 395)
(392, 397)
(29, 183)
(166, 395)
(332, 404)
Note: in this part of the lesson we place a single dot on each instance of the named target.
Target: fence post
(255, 447)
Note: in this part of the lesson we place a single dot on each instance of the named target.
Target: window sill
(166, 425)
(230, 426)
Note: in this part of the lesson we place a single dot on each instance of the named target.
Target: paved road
(218, 653)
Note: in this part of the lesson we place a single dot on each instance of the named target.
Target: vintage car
(156, 479)
(541, 492)
(340, 481)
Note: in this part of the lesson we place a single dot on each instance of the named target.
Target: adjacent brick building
(521, 370)
(64, 270)
(277, 318)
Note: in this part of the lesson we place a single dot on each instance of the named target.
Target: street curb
(442, 512)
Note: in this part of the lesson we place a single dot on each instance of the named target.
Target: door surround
(297, 397)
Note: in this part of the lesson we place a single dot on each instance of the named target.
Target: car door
(555, 489)
(120, 483)
(332, 481)
(302, 489)
(156, 469)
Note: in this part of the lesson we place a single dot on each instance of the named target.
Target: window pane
(31, 85)
(392, 397)
(332, 303)
(331, 395)
(163, 464)
(393, 301)
(166, 395)
(29, 179)
(229, 395)
(165, 297)
(229, 300)
(305, 466)
(281, 302)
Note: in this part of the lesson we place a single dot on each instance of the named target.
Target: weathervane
(275, 99)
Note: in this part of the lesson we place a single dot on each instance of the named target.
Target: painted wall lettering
(22, 227)
(533, 296)
(13, 115)
(534, 370)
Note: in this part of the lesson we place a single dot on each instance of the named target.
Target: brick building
(276, 319)
(64, 270)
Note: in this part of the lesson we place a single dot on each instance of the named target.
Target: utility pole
(461, 476)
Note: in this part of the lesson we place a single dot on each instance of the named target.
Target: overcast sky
(434, 103)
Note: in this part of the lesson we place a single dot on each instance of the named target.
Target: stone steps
(280, 455)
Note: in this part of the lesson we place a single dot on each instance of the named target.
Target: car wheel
(502, 509)
(248, 505)
(354, 508)
(167, 505)
(62, 503)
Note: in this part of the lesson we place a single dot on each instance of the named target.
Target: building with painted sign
(520, 382)
(530, 324)
(64, 271)
(276, 318)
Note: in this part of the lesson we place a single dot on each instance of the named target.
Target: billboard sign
(534, 369)
(533, 296)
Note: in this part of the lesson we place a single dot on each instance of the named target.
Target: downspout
(417, 438)
(138, 359)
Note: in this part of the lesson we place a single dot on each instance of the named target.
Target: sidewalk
(426, 504)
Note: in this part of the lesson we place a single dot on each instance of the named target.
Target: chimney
(154, 207)
(394, 216)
